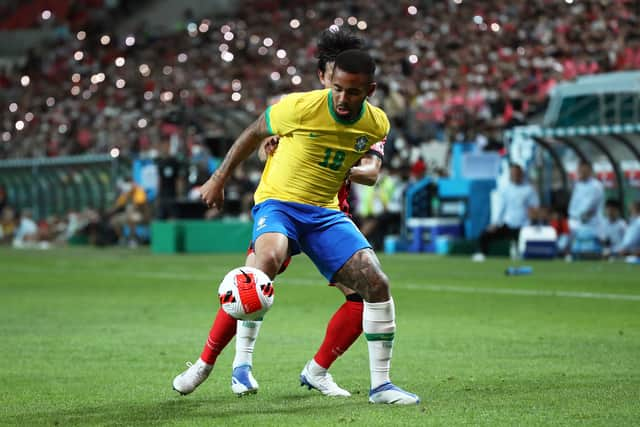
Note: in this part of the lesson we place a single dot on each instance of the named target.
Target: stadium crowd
(454, 70)
(447, 70)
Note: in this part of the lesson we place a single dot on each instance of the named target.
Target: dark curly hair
(332, 42)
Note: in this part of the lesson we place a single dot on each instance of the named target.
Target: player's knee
(269, 261)
(378, 289)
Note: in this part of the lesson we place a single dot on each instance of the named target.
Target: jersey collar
(338, 118)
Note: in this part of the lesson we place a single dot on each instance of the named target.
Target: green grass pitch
(95, 337)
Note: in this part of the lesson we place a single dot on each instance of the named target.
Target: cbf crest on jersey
(361, 143)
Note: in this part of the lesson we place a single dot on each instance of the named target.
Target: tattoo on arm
(247, 143)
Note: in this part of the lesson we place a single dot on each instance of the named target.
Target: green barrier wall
(191, 236)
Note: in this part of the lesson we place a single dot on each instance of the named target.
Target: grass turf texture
(95, 337)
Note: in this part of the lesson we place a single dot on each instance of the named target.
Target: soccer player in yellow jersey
(345, 325)
(322, 135)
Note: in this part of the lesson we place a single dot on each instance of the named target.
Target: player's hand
(212, 192)
(271, 145)
(268, 147)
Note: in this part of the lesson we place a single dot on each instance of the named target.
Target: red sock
(223, 329)
(343, 330)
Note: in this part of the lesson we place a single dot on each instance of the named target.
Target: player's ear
(321, 77)
(372, 88)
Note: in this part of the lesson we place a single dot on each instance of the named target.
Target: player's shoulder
(300, 98)
(379, 118)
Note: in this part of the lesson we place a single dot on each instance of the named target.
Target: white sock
(316, 370)
(246, 341)
(379, 324)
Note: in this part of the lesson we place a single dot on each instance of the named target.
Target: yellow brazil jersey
(317, 148)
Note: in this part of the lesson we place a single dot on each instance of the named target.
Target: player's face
(349, 91)
(326, 75)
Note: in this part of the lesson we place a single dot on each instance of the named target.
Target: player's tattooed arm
(363, 273)
(248, 141)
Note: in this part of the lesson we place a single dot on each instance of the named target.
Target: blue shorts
(327, 236)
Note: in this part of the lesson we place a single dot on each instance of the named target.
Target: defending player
(322, 133)
(345, 325)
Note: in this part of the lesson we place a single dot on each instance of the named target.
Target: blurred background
(114, 112)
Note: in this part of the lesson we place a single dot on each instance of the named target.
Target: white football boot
(195, 375)
(242, 381)
(389, 393)
(323, 383)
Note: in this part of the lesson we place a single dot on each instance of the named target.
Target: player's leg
(363, 273)
(242, 379)
(344, 328)
(354, 264)
(221, 332)
(272, 249)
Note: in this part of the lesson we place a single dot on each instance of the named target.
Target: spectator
(27, 232)
(585, 206)
(630, 244)
(171, 182)
(131, 209)
(517, 203)
(613, 226)
(8, 224)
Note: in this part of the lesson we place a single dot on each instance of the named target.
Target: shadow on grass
(190, 410)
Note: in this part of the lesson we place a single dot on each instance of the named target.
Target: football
(246, 293)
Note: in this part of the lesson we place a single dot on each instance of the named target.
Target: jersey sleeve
(377, 149)
(283, 117)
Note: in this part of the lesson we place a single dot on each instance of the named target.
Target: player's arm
(212, 191)
(367, 171)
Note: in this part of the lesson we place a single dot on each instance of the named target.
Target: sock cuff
(388, 336)
(379, 311)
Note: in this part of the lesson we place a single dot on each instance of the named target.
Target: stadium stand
(449, 72)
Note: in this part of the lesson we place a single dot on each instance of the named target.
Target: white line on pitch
(292, 281)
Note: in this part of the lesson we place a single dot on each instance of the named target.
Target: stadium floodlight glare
(114, 152)
(19, 125)
(294, 23)
(412, 10)
(25, 80)
(13, 107)
(46, 15)
(236, 96)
